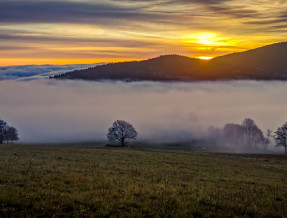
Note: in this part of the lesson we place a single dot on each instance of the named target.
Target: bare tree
(7, 133)
(121, 131)
(267, 138)
(233, 133)
(280, 137)
(257, 137)
(253, 135)
(11, 134)
(3, 126)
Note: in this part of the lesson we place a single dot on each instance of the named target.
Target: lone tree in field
(7, 133)
(3, 127)
(280, 137)
(121, 131)
(11, 134)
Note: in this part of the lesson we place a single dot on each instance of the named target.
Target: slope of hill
(268, 62)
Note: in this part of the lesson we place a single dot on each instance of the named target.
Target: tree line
(245, 135)
(248, 135)
(8, 134)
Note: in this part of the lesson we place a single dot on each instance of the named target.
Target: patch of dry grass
(77, 181)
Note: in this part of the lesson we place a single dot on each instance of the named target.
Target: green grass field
(89, 181)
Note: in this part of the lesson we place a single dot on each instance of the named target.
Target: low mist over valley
(73, 111)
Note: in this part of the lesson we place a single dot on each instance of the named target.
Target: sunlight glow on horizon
(87, 32)
(207, 38)
(205, 58)
(19, 62)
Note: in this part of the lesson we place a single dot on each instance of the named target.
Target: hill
(268, 62)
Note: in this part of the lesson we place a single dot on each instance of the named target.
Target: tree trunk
(123, 143)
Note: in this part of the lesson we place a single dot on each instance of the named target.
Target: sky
(86, 31)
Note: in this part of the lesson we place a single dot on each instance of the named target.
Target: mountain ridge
(265, 63)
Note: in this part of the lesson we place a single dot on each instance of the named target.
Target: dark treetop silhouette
(7, 133)
(280, 136)
(3, 126)
(121, 131)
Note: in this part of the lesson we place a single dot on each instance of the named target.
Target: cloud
(31, 72)
(27, 36)
(116, 13)
(89, 30)
(59, 111)
(269, 21)
(68, 12)
(238, 12)
(168, 2)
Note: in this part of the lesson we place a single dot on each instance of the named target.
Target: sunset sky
(86, 31)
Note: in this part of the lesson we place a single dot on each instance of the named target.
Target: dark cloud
(115, 12)
(168, 2)
(68, 12)
(238, 12)
(267, 24)
(202, 2)
(268, 21)
(216, 6)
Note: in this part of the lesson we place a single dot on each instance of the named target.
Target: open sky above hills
(86, 31)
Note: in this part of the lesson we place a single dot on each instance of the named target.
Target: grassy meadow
(79, 181)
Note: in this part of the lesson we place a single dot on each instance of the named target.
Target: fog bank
(34, 72)
(64, 111)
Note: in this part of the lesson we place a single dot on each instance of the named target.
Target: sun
(204, 58)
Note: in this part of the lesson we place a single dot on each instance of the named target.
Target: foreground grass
(77, 181)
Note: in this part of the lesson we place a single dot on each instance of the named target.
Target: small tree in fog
(11, 134)
(280, 137)
(121, 131)
(7, 133)
(3, 128)
(253, 135)
(233, 133)
(267, 138)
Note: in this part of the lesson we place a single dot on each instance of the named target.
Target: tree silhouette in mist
(120, 132)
